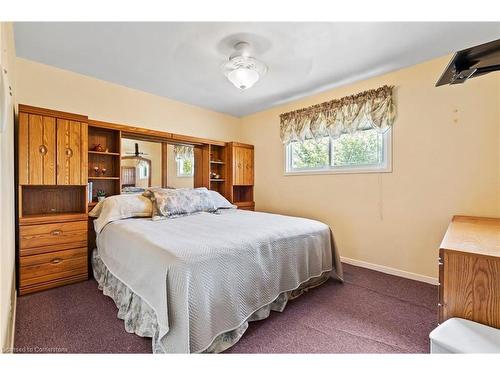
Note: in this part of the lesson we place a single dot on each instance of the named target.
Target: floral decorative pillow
(170, 203)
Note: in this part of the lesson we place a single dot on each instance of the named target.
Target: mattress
(206, 274)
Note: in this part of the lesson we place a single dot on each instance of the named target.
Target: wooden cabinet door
(242, 166)
(37, 149)
(237, 166)
(71, 152)
(248, 166)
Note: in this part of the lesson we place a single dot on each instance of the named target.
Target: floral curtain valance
(369, 109)
(183, 152)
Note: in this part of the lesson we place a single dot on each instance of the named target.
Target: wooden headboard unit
(56, 157)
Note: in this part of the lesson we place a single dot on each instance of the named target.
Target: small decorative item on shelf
(98, 147)
(101, 195)
(107, 150)
(103, 171)
(217, 176)
(96, 170)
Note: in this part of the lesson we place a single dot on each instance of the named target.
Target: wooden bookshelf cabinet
(107, 161)
(52, 198)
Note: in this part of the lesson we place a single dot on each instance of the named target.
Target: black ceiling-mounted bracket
(472, 62)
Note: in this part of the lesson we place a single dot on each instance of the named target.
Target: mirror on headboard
(150, 163)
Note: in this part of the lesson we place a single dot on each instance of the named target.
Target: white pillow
(220, 201)
(119, 207)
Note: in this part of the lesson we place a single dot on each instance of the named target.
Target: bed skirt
(140, 318)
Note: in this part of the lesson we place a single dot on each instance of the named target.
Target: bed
(193, 283)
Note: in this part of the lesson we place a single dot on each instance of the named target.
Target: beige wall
(445, 162)
(446, 157)
(45, 86)
(153, 151)
(173, 180)
(7, 249)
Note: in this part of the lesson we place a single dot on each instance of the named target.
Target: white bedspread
(205, 274)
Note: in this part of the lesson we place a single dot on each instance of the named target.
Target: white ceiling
(182, 60)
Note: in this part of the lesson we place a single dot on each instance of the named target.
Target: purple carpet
(370, 313)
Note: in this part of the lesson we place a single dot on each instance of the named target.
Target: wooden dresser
(469, 271)
(52, 198)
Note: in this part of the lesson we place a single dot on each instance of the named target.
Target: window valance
(183, 152)
(366, 110)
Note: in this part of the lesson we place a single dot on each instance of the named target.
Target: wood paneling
(52, 234)
(51, 113)
(52, 170)
(157, 135)
(66, 279)
(201, 166)
(49, 266)
(50, 147)
(241, 176)
(84, 146)
(37, 149)
(242, 164)
(110, 140)
(51, 248)
(23, 147)
(470, 280)
(164, 165)
(53, 199)
(69, 152)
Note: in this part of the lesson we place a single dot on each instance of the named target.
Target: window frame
(385, 167)
(179, 163)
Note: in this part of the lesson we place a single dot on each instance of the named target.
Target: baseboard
(11, 329)
(391, 271)
(13, 320)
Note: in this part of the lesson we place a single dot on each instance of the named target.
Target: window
(185, 167)
(143, 170)
(363, 151)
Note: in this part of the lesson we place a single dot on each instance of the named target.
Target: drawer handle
(56, 232)
(56, 260)
(69, 152)
(42, 149)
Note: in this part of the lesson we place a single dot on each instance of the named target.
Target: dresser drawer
(52, 234)
(57, 265)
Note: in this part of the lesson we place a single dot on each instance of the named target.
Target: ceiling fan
(136, 153)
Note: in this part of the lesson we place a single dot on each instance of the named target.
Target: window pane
(361, 148)
(187, 167)
(310, 154)
(184, 167)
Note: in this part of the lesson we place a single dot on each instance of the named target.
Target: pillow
(220, 201)
(133, 189)
(170, 203)
(119, 207)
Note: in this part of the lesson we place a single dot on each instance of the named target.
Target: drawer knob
(69, 152)
(56, 232)
(56, 260)
(42, 149)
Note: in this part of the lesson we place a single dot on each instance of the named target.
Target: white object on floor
(458, 335)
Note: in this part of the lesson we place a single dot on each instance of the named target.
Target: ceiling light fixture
(243, 70)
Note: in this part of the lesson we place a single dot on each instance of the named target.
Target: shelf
(104, 153)
(216, 162)
(104, 178)
(245, 203)
(217, 180)
(49, 218)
